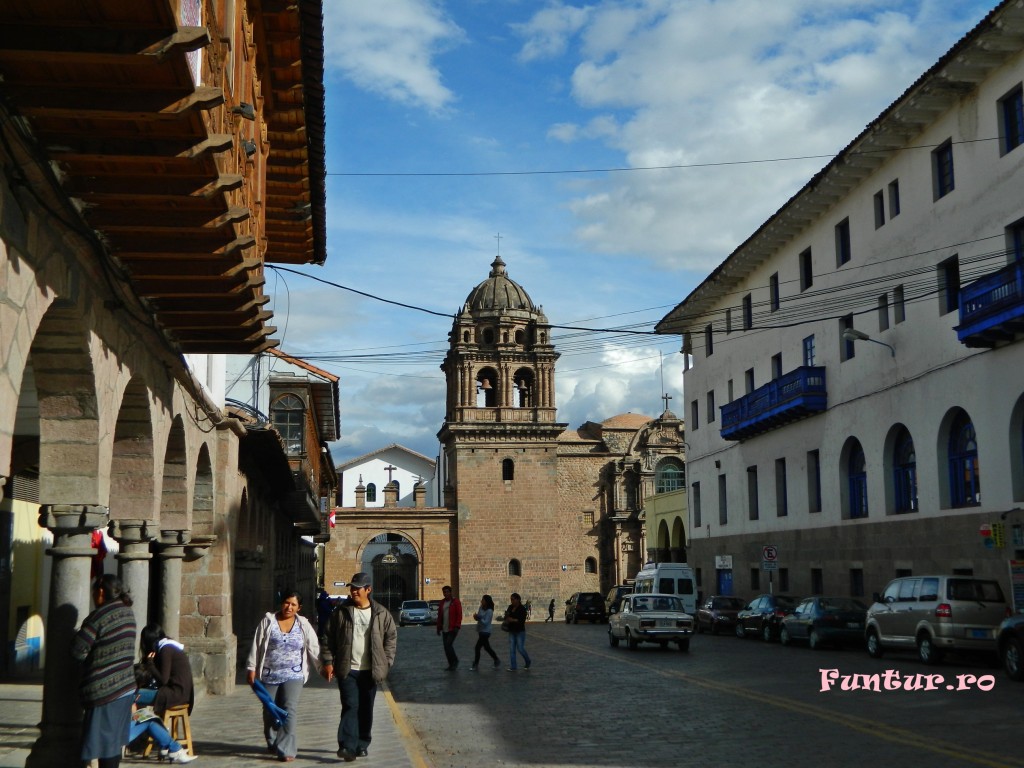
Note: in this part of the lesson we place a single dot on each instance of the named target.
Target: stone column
(171, 552)
(134, 537)
(60, 737)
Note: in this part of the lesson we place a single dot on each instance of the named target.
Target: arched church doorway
(392, 562)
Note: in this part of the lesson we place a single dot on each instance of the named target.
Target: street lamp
(852, 334)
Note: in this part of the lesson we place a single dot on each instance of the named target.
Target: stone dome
(499, 292)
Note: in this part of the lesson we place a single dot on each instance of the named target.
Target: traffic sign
(769, 565)
(770, 553)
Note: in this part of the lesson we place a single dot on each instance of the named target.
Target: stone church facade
(529, 505)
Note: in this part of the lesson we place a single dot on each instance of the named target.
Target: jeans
(154, 729)
(483, 642)
(358, 691)
(286, 738)
(517, 642)
(449, 647)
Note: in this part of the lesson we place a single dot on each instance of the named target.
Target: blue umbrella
(279, 715)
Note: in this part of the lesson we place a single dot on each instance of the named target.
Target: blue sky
(449, 123)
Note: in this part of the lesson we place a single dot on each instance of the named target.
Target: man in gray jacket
(358, 649)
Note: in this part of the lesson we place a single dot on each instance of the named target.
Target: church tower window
(508, 469)
(371, 491)
(590, 565)
(515, 568)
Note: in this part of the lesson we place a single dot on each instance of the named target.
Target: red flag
(332, 519)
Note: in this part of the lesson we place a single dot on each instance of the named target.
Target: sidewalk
(228, 731)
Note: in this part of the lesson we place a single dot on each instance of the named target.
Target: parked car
(588, 606)
(651, 618)
(936, 614)
(414, 612)
(825, 621)
(763, 616)
(718, 612)
(1010, 642)
(434, 606)
(614, 597)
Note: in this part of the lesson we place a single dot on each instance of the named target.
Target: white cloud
(548, 32)
(389, 47)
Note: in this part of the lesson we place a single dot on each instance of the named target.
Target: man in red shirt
(449, 620)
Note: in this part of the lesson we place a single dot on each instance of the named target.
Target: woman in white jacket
(284, 648)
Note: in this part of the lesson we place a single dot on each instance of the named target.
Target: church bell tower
(500, 443)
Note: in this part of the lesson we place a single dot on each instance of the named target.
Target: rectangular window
(894, 198)
(943, 181)
(748, 313)
(846, 348)
(879, 209)
(806, 270)
(856, 582)
(949, 285)
(777, 366)
(728, 321)
(753, 510)
(695, 500)
(783, 580)
(813, 481)
(883, 312)
(817, 581)
(844, 251)
(1012, 124)
(781, 494)
(755, 579)
(809, 350)
(729, 391)
(748, 375)
(773, 290)
(723, 502)
(694, 415)
(1015, 241)
(709, 341)
(711, 406)
(899, 308)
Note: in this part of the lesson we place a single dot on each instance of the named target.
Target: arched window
(508, 470)
(964, 472)
(669, 476)
(398, 488)
(858, 480)
(904, 473)
(514, 568)
(487, 388)
(288, 416)
(590, 565)
(371, 491)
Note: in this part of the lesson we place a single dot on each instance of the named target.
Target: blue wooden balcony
(992, 308)
(797, 395)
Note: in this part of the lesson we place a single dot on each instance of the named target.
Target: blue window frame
(964, 471)
(904, 473)
(809, 351)
(371, 492)
(858, 477)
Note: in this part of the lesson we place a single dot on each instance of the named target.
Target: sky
(620, 150)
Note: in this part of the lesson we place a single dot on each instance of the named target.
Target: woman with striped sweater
(106, 647)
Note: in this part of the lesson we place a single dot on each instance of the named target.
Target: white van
(669, 579)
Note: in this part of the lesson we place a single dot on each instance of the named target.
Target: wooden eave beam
(145, 106)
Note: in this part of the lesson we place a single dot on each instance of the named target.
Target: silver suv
(936, 614)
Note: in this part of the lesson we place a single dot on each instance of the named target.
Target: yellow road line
(864, 725)
(405, 731)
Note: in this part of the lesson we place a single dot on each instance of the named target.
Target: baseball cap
(361, 579)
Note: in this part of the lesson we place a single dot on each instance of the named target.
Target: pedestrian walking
(449, 621)
(106, 647)
(551, 611)
(484, 616)
(358, 650)
(284, 648)
(515, 622)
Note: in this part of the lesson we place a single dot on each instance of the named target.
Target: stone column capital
(134, 537)
(198, 546)
(172, 543)
(69, 524)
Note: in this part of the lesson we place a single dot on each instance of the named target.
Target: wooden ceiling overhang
(188, 196)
